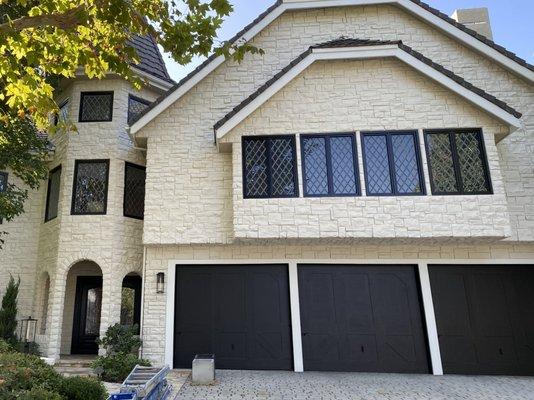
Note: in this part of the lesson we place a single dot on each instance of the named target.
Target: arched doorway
(83, 306)
(131, 300)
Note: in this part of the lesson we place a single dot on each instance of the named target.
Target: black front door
(87, 308)
(485, 318)
(239, 313)
(362, 319)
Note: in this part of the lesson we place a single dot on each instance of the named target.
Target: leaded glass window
(96, 106)
(136, 106)
(134, 191)
(269, 166)
(52, 195)
(457, 162)
(63, 113)
(329, 165)
(392, 164)
(90, 187)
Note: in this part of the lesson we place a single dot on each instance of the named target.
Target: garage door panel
(245, 316)
(497, 322)
(369, 319)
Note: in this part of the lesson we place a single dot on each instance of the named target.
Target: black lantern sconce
(160, 282)
(28, 327)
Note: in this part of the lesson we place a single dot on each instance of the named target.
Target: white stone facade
(194, 207)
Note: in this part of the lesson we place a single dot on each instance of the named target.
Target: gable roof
(417, 7)
(362, 49)
(150, 60)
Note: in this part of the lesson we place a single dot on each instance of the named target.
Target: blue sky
(512, 22)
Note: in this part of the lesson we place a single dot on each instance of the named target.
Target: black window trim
(89, 161)
(126, 165)
(91, 93)
(63, 103)
(138, 99)
(327, 137)
(456, 162)
(52, 171)
(393, 178)
(268, 151)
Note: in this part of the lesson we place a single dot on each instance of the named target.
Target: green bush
(38, 394)
(30, 348)
(5, 347)
(121, 339)
(8, 311)
(116, 367)
(83, 388)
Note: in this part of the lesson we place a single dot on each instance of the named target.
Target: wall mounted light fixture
(160, 282)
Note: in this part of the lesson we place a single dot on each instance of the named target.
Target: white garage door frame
(424, 279)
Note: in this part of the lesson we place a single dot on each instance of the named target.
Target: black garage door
(485, 318)
(361, 318)
(239, 313)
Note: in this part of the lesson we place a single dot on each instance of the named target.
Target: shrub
(121, 339)
(5, 347)
(116, 367)
(8, 312)
(83, 388)
(38, 394)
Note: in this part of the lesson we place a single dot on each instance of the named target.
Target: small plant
(8, 312)
(83, 388)
(5, 347)
(39, 394)
(122, 345)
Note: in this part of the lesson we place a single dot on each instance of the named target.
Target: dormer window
(96, 107)
(269, 166)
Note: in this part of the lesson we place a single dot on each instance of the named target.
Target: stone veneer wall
(373, 95)
(189, 183)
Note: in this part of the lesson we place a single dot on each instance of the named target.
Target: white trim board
(422, 265)
(363, 53)
(287, 5)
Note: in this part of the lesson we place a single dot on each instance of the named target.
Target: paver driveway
(335, 385)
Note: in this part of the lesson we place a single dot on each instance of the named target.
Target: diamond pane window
(457, 162)
(90, 187)
(63, 113)
(52, 195)
(96, 106)
(3, 184)
(392, 164)
(136, 106)
(329, 165)
(134, 191)
(269, 166)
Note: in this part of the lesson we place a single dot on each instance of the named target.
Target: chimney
(476, 19)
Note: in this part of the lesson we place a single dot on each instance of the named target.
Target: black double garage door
(356, 318)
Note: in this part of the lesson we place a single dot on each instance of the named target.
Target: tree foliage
(42, 42)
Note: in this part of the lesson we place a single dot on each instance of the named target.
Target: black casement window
(134, 191)
(63, 113)
(3, 184)
(90, 187)
(52, 194)
(136, 106)
(269, 166)
(96, 107)
(392, 164)
(329, 165)
(457, 162)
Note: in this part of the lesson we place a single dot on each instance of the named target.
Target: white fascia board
(467, 94)
(360, 53)
(411, 7)
(152, 80)
(208, 69)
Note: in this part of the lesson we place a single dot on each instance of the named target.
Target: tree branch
(67, 20)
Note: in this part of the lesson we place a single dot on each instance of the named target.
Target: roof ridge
(355, 42)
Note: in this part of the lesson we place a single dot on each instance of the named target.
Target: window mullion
(456, 162)
(391, 164)
(268, 167)
(328, 154)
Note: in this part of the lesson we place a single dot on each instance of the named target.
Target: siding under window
(134, 191)
(269, 167)
(90, 188)
(457, 162)
(329, 165)
(96, 106)
(52, 195)
(392, 164)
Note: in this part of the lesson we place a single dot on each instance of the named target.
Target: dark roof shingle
(350, 42)
(150, 58)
